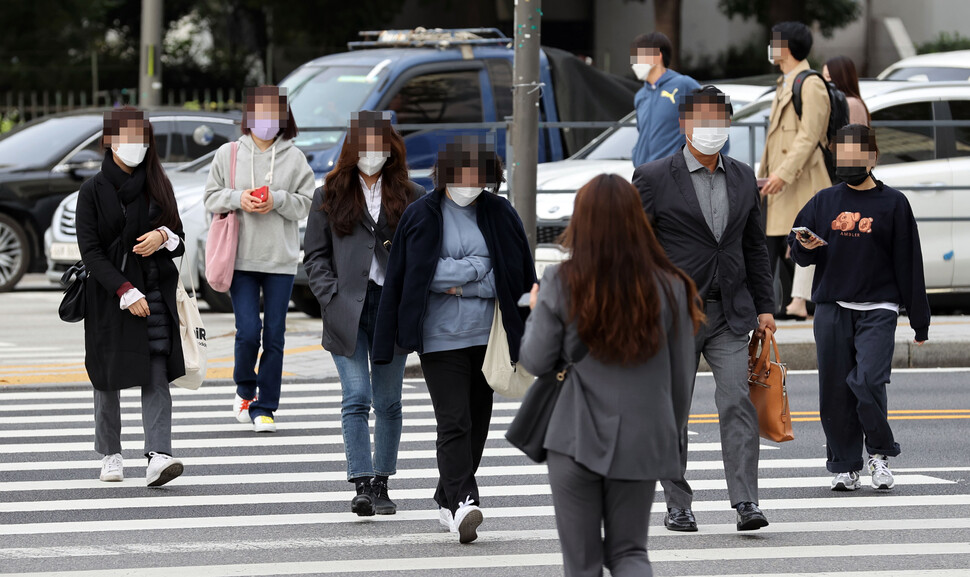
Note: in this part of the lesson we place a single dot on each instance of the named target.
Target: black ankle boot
(363, 503)
(382, 503)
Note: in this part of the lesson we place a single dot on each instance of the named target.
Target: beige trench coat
(792, 152)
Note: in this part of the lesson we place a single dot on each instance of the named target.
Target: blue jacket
(658, 116)
(414, 256)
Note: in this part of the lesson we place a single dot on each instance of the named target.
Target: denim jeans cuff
(383, 474)
(843, 466)
(368, 474)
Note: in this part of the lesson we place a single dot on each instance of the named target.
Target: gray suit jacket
(338, 269)
(621, 422)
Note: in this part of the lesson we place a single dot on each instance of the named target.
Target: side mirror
(85, 164)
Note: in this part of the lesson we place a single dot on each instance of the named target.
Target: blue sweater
(415, 255)
(453, 322)
(873, 254)
(658, 116)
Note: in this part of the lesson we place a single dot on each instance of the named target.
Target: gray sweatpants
(156, 414)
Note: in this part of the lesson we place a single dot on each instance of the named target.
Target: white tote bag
(505, 377)
(192, 334)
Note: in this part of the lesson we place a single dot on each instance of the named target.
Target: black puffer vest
(159, 321)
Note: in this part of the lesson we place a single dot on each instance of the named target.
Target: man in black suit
(705, 210)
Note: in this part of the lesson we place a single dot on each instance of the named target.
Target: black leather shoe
(680, 520)
(382, 503)
(363, 503)
(750, 517)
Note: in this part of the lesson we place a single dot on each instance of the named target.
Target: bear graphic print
(846, 222)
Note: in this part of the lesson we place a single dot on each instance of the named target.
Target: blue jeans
(251, 331)
(364, 385)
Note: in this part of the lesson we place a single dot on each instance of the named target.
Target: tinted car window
(439, 97)
(960, 110)
(47, 142)
(905, 143)
(500, 72)
(203, 136)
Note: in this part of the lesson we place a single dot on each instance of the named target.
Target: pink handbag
(223, 239)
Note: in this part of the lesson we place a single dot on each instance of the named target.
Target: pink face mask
(264, 128)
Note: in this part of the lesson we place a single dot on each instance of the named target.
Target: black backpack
(838, 114)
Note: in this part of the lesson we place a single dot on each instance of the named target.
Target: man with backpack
(796, 146)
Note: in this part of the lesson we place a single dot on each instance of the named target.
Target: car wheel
(305, 301)
(14, 249)
(218, 302)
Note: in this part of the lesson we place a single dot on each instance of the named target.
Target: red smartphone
(261, 193)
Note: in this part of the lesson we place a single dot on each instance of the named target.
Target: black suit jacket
(740, 258)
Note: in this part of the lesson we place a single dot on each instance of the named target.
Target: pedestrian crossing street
(279, 504)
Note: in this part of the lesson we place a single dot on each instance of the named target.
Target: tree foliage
(829, 14)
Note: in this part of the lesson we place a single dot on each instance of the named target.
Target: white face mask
(641, 70)
(131, 153)
(709, 139)
(464, 195)
(771, 56)
(371, 162)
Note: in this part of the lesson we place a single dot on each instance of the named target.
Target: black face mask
(852, 175)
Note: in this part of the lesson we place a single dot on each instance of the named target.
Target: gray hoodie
(268, 243)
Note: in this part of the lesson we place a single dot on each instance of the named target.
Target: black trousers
(855, 357)
(782, 268)
(462, 402)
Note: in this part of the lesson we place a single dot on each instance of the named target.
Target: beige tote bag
(505, 377)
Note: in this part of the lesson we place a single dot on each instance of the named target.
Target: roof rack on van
(434, 38)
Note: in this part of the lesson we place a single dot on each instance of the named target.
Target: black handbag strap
(562, 373)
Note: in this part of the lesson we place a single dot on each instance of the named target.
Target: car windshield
(322, 96)
(47, 142)
(929, 74)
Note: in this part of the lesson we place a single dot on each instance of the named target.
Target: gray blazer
(621, 422)
(338, 268)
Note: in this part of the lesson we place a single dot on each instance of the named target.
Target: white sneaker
(882, 477)
(112, 468)
(467, 519)
(446, 519)
(264, 424)
(162, 469)
(240, 408)
(846, 481)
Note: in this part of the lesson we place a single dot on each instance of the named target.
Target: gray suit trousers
(727, 354)
(156, 414)
(584, 502)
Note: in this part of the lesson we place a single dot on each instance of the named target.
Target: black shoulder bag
(71, 309)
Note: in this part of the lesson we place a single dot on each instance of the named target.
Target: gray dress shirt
(711, 190)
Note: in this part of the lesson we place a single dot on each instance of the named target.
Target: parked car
(940, 66)
(47, 159)
(913, 158)
(444, 76)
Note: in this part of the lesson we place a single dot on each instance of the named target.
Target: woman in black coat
(129, 230)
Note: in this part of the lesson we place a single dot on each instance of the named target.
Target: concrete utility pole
(525, 113)
(150, 67)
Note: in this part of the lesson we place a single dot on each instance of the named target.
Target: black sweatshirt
(873, 253)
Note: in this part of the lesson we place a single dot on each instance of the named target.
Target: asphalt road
(278, 504)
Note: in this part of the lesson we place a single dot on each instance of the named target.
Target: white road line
(250, 439)
(177, 401)
(224, 414)
(224, 390)
(184, 523)
(479, 561)
(339, 496)
(875, 525)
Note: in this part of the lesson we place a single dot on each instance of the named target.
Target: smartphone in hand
(761, 183)
(261, 193)
(524, 300)
(806, 235)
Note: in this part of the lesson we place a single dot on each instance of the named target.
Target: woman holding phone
(274, 188)
(354, 215)
(129, 230)
(458, 252)
(865, 245)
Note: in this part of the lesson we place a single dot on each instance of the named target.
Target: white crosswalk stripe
(279, 504)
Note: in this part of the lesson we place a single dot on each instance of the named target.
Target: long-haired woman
(841, 72)
(129, 230)
(457, 252)
(353, 217)
(615, 429)
(274, 187)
